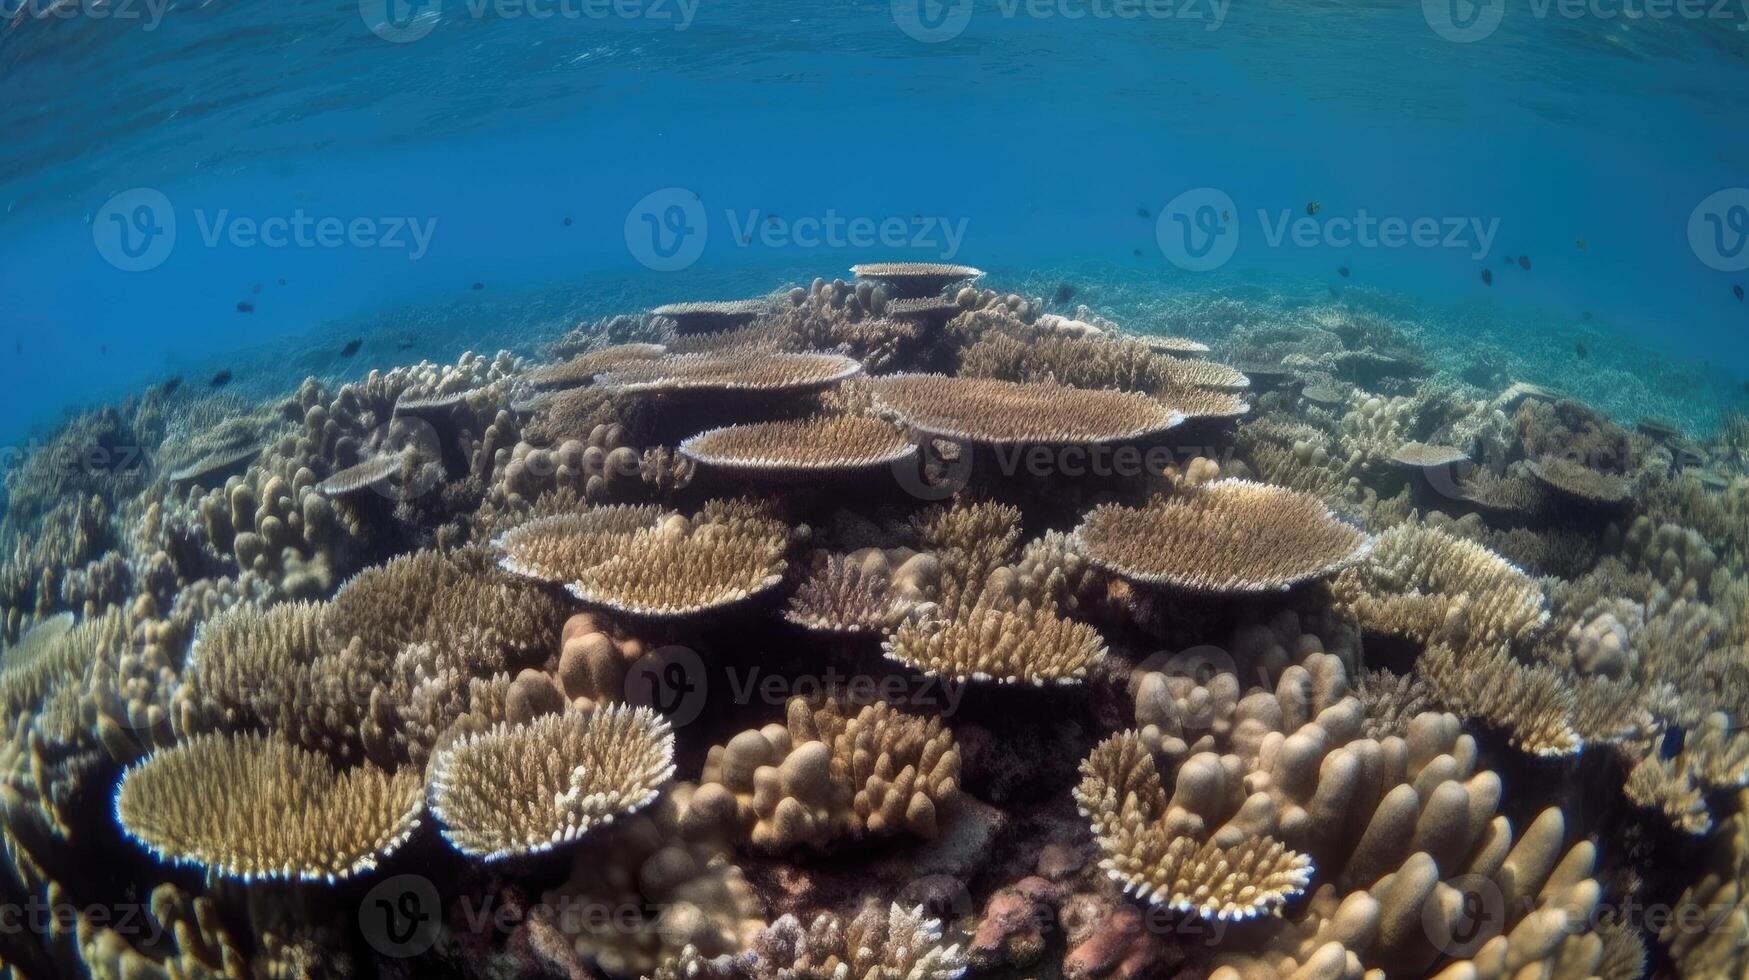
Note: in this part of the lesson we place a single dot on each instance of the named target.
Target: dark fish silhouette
(1064, 293)
(282, 282)
(1581, 244)
(171, 386)
(351, 348)
(103, 349)
(1524, 262)
(1488, 277)
(244, 306)
(221, 379)
(1143, 214)
(479, 286)
(1670, 746)
(1586, 314)
(1737, 291)
(567, 221)
(1342, 271)
(1580, 351)
(1136, 252)
(1313, 207)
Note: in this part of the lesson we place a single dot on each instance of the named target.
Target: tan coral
(833, 444)
(880, 942)
(582, 369)
(870, 591)
(834, 771)
(998, 640)
(907, 280)
(1229, 536)
(710, 316)
(1581, 483)
(991, 412)
(731, 371)
(1531, 702)
(1423, 583)
(522, 789)
(252, 806)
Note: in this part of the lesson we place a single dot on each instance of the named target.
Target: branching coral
(834, 771)
(870, 591)
(253, 806)
(878, 943)
(1001, 640)
(730, 371)
(1229, 536)
(520, 789)
(1425, 583)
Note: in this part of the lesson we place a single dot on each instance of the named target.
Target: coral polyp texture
(992, 412)
(820, 446)
(253, 806)
(587, 767)
(1225, 537)
(889, 628)
(730, 371)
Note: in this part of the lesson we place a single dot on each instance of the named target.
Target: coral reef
(1382, 665)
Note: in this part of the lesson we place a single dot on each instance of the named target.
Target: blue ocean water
(512, 146)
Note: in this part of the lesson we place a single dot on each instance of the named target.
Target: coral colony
(1275, 659)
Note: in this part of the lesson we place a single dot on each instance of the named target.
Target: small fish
(1064, 293)
(1143, 214)
(1313, 207)
(171, 385)
(103, 349)
(1586, 314)
(1342, 271)
(282, 282)
(351, 347)
(1579, 350)
(1581, 244)
(244, 306)
(479, 286)
(1136, 252)
(1226, 216)
(1524, 262)
(1670, 746)
(567, 221)
(1737, 291)
(1487, 277)
(221, 379)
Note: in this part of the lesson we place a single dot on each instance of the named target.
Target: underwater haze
(902, 490)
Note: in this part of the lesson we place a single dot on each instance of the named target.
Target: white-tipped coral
(254, 806)
(828, 445)
(879, 943)
(1225, 537)
(991, 412)
(521, 789)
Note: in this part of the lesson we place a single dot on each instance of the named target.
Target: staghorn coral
(253, 806)
(1531, 702)
(1001, 640)
(1711, 937)
(985, 411)
(1225, 537)
(1425, 583)
(824, 445)
(522, 789)
(834, 771)
(869, 591)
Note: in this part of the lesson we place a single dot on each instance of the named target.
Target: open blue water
(1051, 140)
